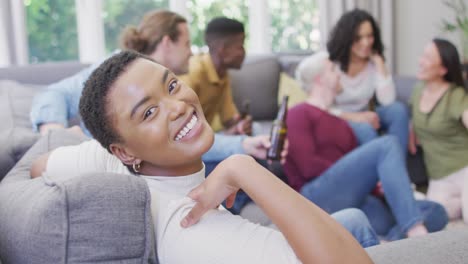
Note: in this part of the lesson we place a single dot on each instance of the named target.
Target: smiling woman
(149, 103)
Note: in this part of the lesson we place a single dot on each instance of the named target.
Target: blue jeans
(350, 181)
(394, 120)
(356, 222)
(381, 218)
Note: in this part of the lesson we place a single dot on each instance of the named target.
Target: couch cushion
(16, 134)
(404, 87)
(292, 88)
(448, 247)
(94, 218)
(257, 82)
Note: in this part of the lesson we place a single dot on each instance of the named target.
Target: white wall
(416, 23)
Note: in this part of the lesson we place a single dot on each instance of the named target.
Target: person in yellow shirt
(208, 74)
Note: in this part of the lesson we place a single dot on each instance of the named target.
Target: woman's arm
(314, 236)
(362, 117)
(59, 102)
(385, 90)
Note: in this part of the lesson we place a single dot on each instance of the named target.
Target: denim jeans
(381, 218)
(356, 222)
(352, 219)
(393, 120)
(350, 181)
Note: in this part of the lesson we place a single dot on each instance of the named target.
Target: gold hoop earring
(136, 167)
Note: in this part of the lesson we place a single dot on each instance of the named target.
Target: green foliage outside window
(202, 11)
(51, 27)
(294, 25)
(119, 13)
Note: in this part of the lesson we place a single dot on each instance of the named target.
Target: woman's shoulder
(458, 96)
(457, 91)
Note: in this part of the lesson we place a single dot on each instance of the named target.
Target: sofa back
(257, 81)
(41, 74)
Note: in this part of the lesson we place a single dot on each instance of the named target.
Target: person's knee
(388, 141)
(451, 205)
(364, 132)
(351, 218)
(441, 215)
(398, 109)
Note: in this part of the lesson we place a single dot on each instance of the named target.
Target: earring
(136, 167)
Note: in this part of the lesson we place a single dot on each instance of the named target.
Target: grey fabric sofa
(88, 219)
(50, 222)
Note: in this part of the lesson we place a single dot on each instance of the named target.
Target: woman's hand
(379, 63)
(239, 125)
(222, 184)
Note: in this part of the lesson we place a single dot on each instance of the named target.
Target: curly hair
(94, 101)
(344, 34)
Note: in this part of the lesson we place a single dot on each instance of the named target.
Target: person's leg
(379, 215)
(352, 178)
(448, 194)
(395, 119)
(364, 132)
(464, 185)
(381, 219)
(434, 216)
(358, 225)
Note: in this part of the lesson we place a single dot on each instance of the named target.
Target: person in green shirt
(440, 120)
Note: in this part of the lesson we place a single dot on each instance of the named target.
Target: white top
(358, 90)
(219, 237)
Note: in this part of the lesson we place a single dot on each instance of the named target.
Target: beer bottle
(278, 132)
(245, 111)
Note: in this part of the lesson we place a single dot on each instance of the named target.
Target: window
(202, 11)
(119, 13)
(294, 25)
(52, 32)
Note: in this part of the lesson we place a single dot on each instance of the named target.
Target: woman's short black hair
(451, 61)
(94, 102)
(344, 34)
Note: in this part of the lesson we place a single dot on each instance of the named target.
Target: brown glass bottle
(278, 132)
(245, 112)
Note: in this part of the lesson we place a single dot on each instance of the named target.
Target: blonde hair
(153, 27)
(309, 68)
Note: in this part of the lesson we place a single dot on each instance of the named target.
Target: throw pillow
(289, 86)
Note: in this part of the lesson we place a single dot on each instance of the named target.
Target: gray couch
(74, 221)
